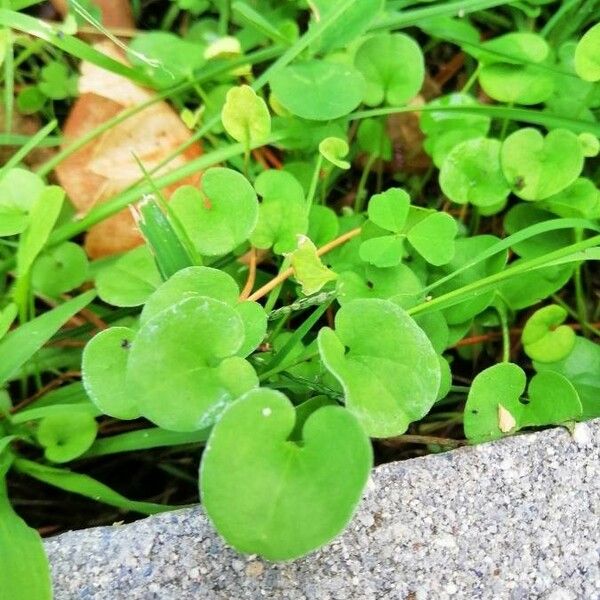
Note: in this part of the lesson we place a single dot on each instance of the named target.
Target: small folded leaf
(67, 436)
(293, 500)
(245, 115)
(334, 149)
(590, 144)
(544, 338)
(104, 368)
(390, 379)
(309, 270)
(538, 167)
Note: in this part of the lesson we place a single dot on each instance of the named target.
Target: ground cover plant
(250, 249)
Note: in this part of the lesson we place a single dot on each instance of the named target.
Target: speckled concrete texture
(514, 519)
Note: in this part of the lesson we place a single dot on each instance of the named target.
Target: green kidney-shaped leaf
(183, 367)
(385, 363)
(19, 190)
(516, 84)
(499, 386)
(587, 55)
(393, 67)
(318, 90)
(130, 280)
(60, 269)
(433, 238)
(245, 115)
(582, 368)
(67, 436)
(580, 199)
(212, 283)
(271, 496)
(282, 214)
(219, 215)
(544, 338)
(471, 172)
(538, 167)
(104, 369)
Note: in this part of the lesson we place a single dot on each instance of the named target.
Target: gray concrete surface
(514, 519)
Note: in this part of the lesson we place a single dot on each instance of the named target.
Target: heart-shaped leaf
(19, 189)
(293, 501)
(282, 214)
(389, 209)
(544, 338)
(516, 84)
(219, 215)
(581, 199)
(538, 167)
(495, 405)
(494, 393)
(130, 280)
(390, 379)
(67, 436)
(335, 89)
(245, 115)
(212, 283)
(587, 55)
(393, 67)
(182, 366)
(433, 238)
(471, 173)
(104, 367)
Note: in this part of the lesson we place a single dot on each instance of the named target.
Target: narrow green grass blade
(144, 439)
(24, 570)
(22, 343)
(84, 485)
(30, 144)
(68, 43)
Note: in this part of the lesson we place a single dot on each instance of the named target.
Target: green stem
(501, 310)
(359, 202)
(314, 181)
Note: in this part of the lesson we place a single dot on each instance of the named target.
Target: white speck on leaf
(266, 412)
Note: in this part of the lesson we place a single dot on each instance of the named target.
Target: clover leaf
(587, 55)
(538, 167)
(245, 115)
(293, 501)
(335, 89)
(129, 280)
(495, 405)
(104, 368)
(56, 82)
(389, 209)
(210, 283)
(393, 67)
(183, 366)
(308, 268)
(391, 377)
(323, 224)
(544, 338)
(282, 214)
(220, 214)
(66, 436)
(471, 172)
(334, 149)
(580, 199)
(383, 251)
(433, 238)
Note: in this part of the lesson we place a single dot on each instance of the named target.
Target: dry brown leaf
(107, 165)
(506, 422)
